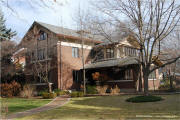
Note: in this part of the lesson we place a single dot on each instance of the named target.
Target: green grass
(138, 99)
(22, 104)
(113, 107)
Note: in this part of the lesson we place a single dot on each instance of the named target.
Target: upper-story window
(41, 54)
(75, 52)
(109, 53)
(130, 51)
(32, 56)
(42, 35)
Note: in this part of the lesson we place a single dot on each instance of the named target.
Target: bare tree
(152, 22)
(171, 48)
(80, 18)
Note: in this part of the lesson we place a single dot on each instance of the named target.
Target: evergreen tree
(5, 34)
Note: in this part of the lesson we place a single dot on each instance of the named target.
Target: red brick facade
(67, 63)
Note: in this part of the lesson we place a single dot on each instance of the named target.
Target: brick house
(59, 50)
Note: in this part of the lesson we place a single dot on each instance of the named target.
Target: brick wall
(68, 64)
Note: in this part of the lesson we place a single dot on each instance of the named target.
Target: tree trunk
(145, 76)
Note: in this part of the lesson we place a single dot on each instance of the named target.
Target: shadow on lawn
(20, 108)
(169, 105)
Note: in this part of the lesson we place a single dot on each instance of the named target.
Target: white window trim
(75, 45)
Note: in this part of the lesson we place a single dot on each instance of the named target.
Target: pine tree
(5, 34)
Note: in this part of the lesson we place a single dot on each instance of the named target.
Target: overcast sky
(25, 12)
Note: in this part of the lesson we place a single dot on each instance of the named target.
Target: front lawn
(21, 104)
(114, 107)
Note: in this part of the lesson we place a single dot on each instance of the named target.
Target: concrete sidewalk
(57, 102)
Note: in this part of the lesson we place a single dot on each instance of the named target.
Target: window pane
(75, 52)
(72, 52)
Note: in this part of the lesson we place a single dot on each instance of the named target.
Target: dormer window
(42, 35)
(130, 51)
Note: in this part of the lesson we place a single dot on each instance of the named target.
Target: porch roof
(119, 62)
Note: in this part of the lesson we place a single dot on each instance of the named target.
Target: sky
(22, 13)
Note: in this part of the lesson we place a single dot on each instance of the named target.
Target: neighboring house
(59, 50)
(117, 64)
(19, 58)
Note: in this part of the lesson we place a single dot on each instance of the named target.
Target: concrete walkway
(57, 102)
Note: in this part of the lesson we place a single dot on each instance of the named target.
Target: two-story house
(116, 63)
(56, 53)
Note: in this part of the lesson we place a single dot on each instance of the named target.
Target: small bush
(41, 92)
(115, 90)
(16, 88)
(11, 89)
(61, 93)
(74, 94)
(52, 95)
(91, 89)
(77, 94)
(6, 90)
(28, 91)
(80, 94)
(57, 90)
(47, 95)
(139, 99)
(101, 89)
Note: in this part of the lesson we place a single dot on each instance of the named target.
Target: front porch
(123, 73)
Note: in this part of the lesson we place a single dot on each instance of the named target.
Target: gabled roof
(126, 41)
(69, 32)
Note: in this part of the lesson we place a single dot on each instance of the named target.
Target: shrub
(47, 95)
(57, 90)
(16, 88)
(139, 99)
(9, 90)
(101, 89)
(77, 94)
(91, 89)
(6, 90)
(52, 95)
(61, 93)
(27, 91)
(74, 94)
(41, 92)
(80, 94)
(115, 90)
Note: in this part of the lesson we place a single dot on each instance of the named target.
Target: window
(75, 52)
(32, 56)
(129, 74)
(42, 36)
(109, 53)
(152, 75)
(130, 51)
(41, 54)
